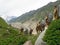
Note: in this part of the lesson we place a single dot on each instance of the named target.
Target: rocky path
(39, 41)
(27, 43)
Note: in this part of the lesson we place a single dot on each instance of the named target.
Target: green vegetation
(3, 23)
(52, 36)
(12, 36)
(33, 38)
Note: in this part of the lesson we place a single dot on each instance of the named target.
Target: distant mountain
(24, 17)
(38, 14)
(10, 18)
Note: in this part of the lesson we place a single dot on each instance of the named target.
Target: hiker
(31, 30)
(55, 13)
(47, 21)
(38, 28)
(21, 29)
(43, 24)
(26, 31)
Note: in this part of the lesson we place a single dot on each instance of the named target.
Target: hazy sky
(18, 7)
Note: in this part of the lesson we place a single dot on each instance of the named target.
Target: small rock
(28, 43)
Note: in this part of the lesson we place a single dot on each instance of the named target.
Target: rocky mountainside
(38, 14)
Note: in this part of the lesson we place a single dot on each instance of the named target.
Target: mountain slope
(10, 35)
(24, 17)
(9, 19)
(3, 23)
(38, 14)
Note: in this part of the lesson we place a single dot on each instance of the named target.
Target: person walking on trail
(55, 13)
(38, 28)
(31, 30)
(26, 31)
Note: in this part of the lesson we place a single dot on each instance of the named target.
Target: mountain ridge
(38, 14)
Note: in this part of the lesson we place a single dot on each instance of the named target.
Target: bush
(23, 39)
(52, 35)
(11, 37)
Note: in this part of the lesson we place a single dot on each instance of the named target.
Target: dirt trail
(39, 41)
(28, 43)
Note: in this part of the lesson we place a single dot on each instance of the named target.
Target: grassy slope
(3, 23)
(9, 35)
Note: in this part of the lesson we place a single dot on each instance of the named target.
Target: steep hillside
(3, 23)
(52, 35)
(38, 14)
(24, 17)
(10, 35)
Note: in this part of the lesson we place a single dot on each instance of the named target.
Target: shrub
(11, 37)
(52, 35)
(23, 39)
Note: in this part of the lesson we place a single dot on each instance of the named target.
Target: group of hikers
(26, 31)
(41, 25)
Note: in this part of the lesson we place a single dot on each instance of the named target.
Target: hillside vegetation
(38, 14)
(3, 23)
(52, 36)
(10, 35)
